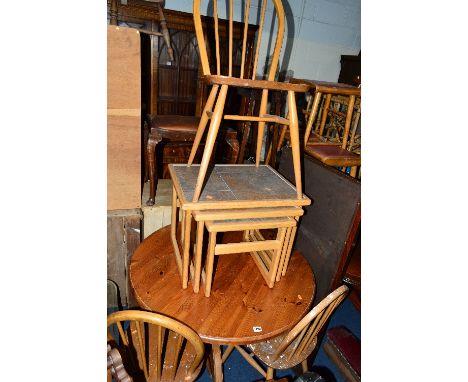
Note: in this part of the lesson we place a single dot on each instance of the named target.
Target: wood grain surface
(240, 299)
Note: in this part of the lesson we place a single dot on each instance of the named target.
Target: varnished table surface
(240, 299)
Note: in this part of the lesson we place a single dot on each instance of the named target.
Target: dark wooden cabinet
(174, 87)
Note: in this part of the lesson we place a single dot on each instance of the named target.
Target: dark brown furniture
(344, 350)
(172, 93)
(329, 226)
(350, 72)
(175, 133)
(352, 275)
(241, 308)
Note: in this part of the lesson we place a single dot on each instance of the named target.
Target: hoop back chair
(293, 348)
(221, 82)
(155, 347)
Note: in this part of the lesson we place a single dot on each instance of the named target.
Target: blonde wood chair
(332, 139)
(292, 348)
(221, 82)
(154, 347)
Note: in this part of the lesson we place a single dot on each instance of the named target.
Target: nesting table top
(234, 186)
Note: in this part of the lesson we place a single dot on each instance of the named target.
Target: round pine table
(241, 308)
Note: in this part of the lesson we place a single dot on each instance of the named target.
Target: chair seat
(265, 350)
(333, 155)
(317, 139)
(175, 123)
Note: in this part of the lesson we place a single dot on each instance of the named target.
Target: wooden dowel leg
(261, 127)
(186, 257)
(312, 116)
(203, 123)
(294, 132)
(209, 263)
(324, 113)
(218, 365)
(210, 140)
(349, 116)
(198, 256)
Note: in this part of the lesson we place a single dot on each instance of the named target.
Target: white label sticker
(257, 329)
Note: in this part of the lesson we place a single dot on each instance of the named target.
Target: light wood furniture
(267, 254)
(228, 188)
(242, 309)
(264, 259)
(333, 148)
(156, 347)
(123, 119)
(292, 348)
(221, 81)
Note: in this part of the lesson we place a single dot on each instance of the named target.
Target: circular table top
(241, 308)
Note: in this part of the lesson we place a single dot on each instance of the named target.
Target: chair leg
(203, 123)
(294, 132)
(326, 106)
(218, 365)
(349, 116)
(210, 140)
(312, 116)
(227, 353)
(153, 140)
(261, 126)
(305, 368)
(269, 374)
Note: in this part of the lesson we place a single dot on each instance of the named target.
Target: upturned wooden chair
(154, 347)
(333, 144)
(293, 348)
(221, 82)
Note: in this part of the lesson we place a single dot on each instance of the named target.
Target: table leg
(218, 365)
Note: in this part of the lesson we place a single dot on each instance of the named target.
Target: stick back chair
(221, 82)
(334, 145)
(293, 348)
(154, 347)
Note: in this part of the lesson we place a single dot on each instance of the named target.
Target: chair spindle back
(305, 332)
(279, 12)
(155, 347)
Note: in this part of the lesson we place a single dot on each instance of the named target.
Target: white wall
(319, 32)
